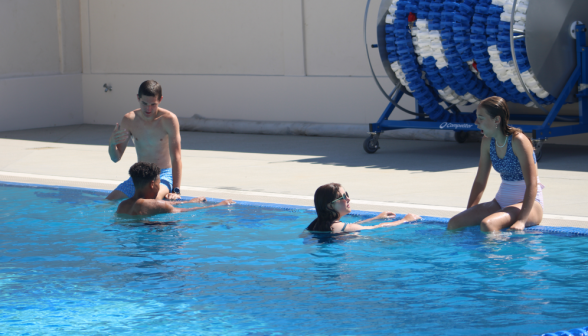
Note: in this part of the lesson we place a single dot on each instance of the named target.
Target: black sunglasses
(345, 197)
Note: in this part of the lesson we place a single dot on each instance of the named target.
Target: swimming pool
(67, 264)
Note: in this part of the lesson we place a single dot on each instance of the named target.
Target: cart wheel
(461, 136)
(371, 146)
(538, 154)
(538, 148)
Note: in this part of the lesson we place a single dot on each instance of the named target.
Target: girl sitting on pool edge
(519, 201)
(332, 202)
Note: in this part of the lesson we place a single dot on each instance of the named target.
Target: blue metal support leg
(579, 77)
(583, 85)
(387, 112)
(371, 144)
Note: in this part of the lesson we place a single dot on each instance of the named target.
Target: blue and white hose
(458, 52)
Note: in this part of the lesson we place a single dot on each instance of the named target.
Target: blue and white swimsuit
(513, 187)
(165, 178)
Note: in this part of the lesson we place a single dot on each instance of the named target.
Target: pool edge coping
(438, 220)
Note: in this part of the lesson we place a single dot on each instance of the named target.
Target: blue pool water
(68, 265)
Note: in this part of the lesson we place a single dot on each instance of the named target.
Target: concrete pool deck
(423, 177)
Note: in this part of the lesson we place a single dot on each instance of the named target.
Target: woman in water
(519, 201)
(332, 202)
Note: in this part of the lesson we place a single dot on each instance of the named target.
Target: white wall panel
(30, 44)
(71, 33)
(186, 37)
(40, 101)
(334, 38)
(266, 98)
(293, 23)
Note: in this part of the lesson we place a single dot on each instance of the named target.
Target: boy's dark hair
(142, 173)
(150, 88)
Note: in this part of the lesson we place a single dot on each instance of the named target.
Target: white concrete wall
(268, 60)
(40, 63)
(186, 37)
(267, 98)
(334, 39)
(40, 101)
(271, 60)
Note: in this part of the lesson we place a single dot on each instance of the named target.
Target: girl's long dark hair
(496, 106)
(326, 215)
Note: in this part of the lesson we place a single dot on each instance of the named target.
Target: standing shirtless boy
(156, 134)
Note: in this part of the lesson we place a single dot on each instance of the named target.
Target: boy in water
(156, 134)
(145, 177)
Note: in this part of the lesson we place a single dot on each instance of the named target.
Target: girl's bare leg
(473, 216)
(506, 217)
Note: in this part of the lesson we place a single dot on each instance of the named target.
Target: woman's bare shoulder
(520, 137)
(337, 227)
(521, 141)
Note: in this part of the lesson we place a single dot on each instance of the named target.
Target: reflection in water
(499, 266)
(313, 238)
(71, 196)
(159, 250)
(161, 222)
(330, 269)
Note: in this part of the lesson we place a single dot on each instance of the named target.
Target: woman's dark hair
(150, 88)
(496, 106)
(326, 215)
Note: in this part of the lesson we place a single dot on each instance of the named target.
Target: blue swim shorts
(165, 177)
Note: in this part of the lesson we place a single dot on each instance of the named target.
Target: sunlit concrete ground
(423, 177)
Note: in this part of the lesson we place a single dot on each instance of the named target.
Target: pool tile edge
(359, 213)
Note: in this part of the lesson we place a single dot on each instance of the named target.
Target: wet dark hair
(150, 88)
(326, 215)
(496, 106)
(142, 173)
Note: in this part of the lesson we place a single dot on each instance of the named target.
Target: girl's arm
(336, 228)
(481, 180)
(383, 215)
(523, 149)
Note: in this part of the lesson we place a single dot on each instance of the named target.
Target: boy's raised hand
(119, 136)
